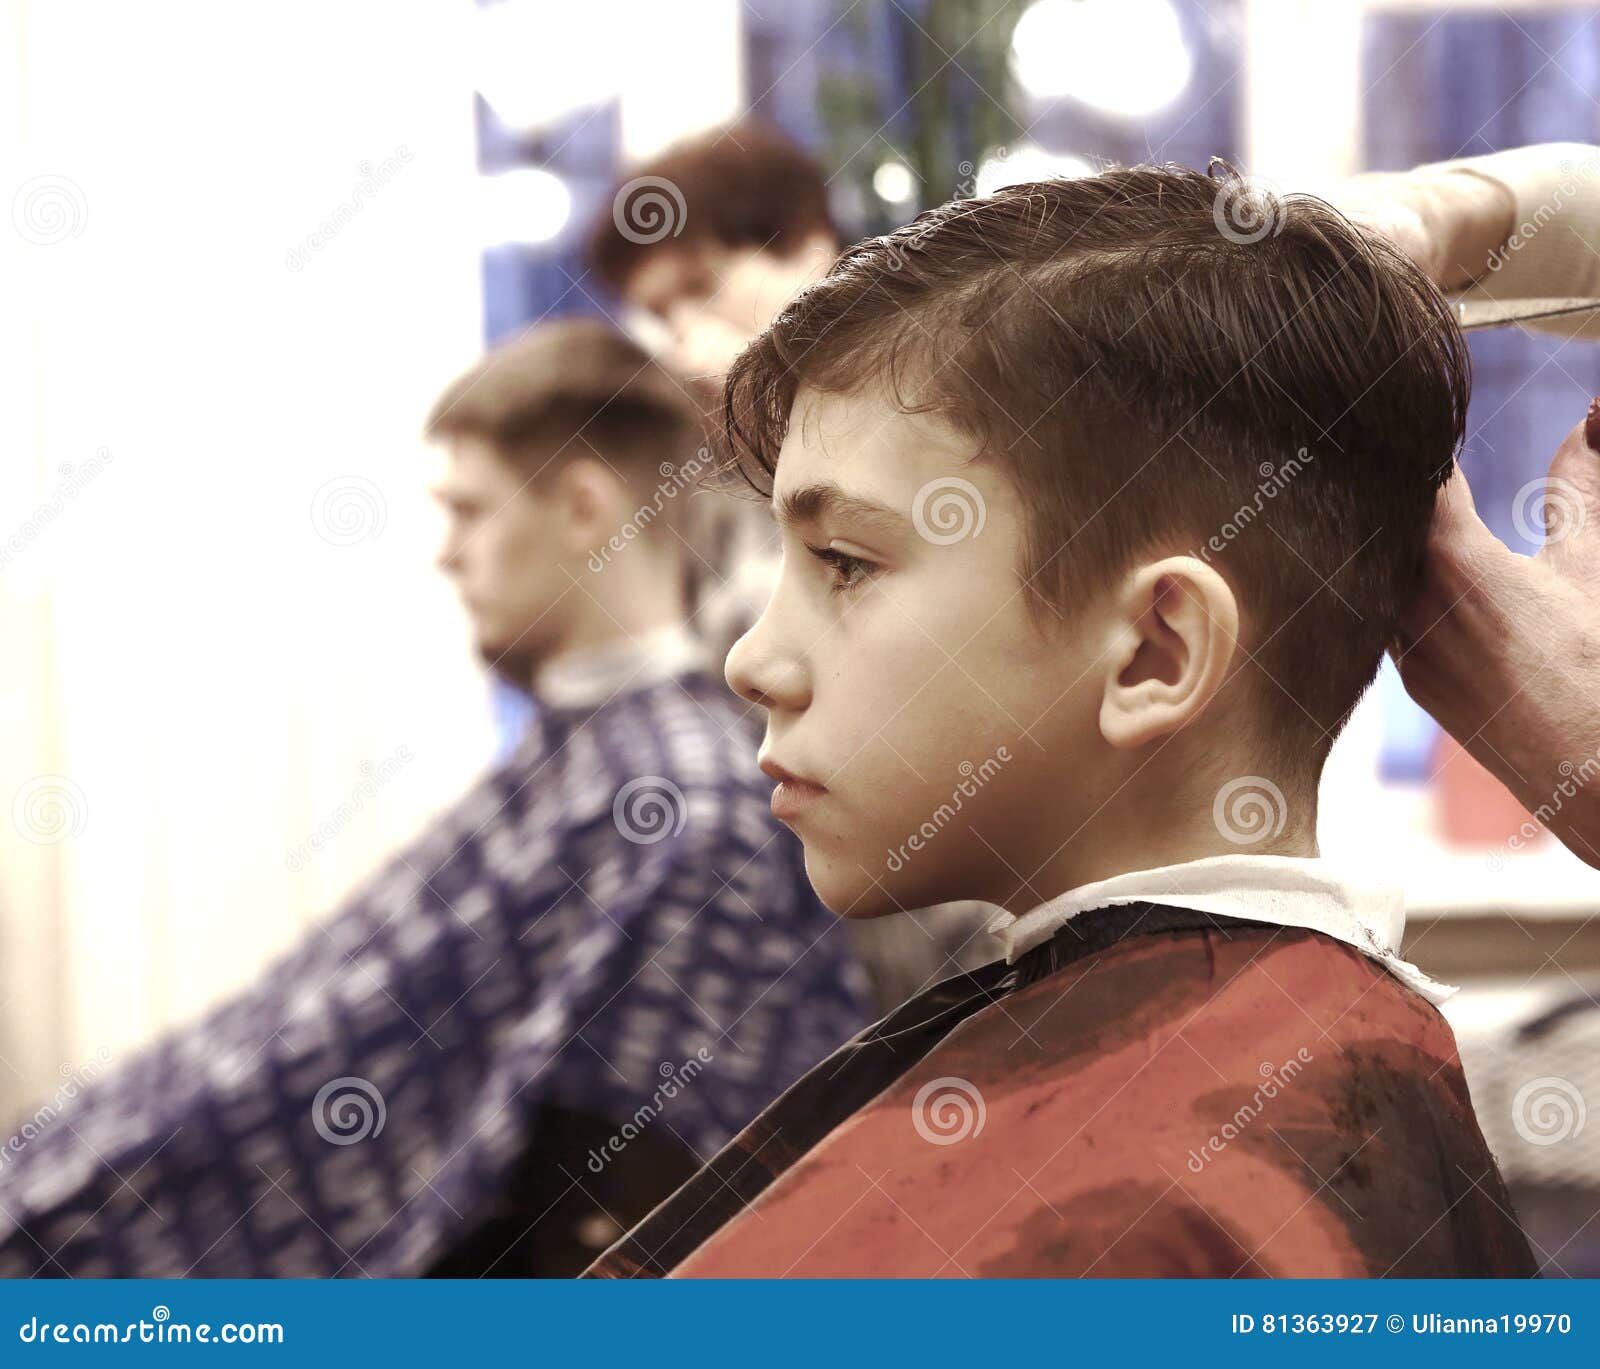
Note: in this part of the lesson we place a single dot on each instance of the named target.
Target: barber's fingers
(1459, 542)
(1462, 556)
(1472, 583)
(1569, 503)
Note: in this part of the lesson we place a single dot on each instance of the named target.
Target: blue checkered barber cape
(610, 923)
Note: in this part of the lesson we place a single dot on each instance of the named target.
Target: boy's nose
(757, 669)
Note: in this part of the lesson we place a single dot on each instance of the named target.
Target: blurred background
(246, 249)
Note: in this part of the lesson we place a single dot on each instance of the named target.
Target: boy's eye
(847, 571)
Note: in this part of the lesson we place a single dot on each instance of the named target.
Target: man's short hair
(742, 186)
(1160, 359)
(571, 387)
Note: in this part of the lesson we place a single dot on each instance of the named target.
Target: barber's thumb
(1570, 498)
(1455, 516)
(1463, 551)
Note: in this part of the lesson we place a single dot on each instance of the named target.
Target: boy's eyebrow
(811, 503)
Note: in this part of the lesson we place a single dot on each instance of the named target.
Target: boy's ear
(1176, 628)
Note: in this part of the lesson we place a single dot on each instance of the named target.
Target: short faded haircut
(570, 387)
(1160, 359)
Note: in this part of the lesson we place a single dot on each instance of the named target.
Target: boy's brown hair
(1159, 359)
(742, 186)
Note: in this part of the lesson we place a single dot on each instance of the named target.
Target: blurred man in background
(577, 983)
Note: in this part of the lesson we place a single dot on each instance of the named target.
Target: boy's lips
(794, 793)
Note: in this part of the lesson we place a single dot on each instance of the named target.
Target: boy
(1099, 502)
(537, 1018)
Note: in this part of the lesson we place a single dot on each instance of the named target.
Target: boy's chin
(852, 892)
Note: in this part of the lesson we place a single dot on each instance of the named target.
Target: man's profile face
(715, 299)
(501, 550)
(952, 736)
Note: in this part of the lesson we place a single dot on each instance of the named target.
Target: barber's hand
(1504, 650)
(1448, 222)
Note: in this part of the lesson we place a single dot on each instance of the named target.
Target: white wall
(203, 652)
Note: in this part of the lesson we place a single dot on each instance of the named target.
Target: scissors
(1473, 314)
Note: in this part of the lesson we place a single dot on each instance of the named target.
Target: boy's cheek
(884, 862)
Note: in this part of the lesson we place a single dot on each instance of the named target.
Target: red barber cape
(1153, 1092)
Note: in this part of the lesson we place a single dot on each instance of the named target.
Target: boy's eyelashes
(846, 571)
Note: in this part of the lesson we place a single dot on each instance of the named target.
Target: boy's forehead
(866, 445)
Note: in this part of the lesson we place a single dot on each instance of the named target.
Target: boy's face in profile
(944, 739)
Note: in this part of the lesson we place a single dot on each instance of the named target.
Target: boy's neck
(1103, 851)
